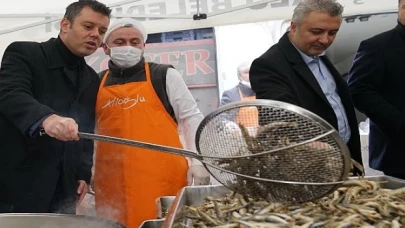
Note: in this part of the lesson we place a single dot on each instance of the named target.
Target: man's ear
(293, 27)
(65, 25)
(106, 49)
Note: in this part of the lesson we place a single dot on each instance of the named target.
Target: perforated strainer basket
(266, 149)
(279, 151)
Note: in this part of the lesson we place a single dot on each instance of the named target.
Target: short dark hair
(74, 9)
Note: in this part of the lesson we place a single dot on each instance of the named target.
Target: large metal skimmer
(267, 149)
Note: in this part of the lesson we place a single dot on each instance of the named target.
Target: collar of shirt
(307, 59)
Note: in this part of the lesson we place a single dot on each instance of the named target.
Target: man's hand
(64, 129)
(199, 174)
(81, 191)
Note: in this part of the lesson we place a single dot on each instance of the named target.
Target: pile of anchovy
(357, 203)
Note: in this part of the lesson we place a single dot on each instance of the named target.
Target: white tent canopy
(38, 20)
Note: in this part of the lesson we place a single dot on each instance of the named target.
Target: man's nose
(95, 33)
(324, 39)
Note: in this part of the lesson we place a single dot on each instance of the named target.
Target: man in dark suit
(49, 86)
(376, 81)
(297, 71)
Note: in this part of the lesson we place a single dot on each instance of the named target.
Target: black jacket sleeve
(365, 81)
(17, 102)
(86, 160)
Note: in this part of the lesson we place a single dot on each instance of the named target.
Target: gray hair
(242, 67)
(332, 7)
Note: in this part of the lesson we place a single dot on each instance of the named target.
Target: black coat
(39, 173)
(281, 74)
(376, 81)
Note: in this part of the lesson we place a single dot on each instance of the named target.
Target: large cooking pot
(22, 220)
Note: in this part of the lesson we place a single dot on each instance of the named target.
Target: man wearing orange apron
(246, 115)
(146, 102)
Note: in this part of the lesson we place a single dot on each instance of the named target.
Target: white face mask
(246, 84)
(125, 56)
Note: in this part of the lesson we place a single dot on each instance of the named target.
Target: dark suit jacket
(37, 173)
(232, 95)
(281, 74)
(376, 81)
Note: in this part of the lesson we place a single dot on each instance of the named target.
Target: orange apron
(247, 116)
(128, 179)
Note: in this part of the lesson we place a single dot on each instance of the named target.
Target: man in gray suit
(243, 90)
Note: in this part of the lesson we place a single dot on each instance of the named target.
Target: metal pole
(198, 7)
(58, 17)
(5, 31)
(29, 15)
(112, 16)
(153, 16)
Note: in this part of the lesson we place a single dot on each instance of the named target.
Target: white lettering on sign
(126, 102)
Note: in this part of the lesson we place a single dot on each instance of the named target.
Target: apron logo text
(124, 101)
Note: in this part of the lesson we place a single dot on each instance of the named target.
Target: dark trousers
(61, 202)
